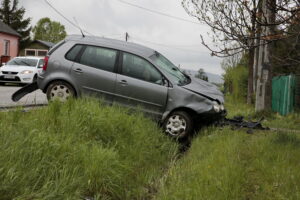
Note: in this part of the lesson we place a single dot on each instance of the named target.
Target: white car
(21, 70)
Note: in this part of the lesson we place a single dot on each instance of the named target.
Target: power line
(58, 12)
(127, 35)
(166, 45)
(158, 13)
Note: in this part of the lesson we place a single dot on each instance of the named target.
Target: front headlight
(222, 107)
(26, 72)
(216, 107)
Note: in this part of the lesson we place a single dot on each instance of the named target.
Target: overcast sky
(177, 40)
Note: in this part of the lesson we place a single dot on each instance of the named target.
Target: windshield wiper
(186, 81)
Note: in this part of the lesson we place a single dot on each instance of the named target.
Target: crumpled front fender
(183, 98)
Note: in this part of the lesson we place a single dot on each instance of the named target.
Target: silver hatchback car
(133, 76)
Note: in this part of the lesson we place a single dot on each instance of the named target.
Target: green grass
(81, 148)
(227, 164)
(271, 119)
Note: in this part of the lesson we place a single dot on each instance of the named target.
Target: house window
(6, 47)
(36, 52)
(42, 52)
(29, 52)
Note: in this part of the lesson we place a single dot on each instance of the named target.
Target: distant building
(37, 48)
(9, 42)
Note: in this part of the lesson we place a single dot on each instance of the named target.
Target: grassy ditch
(80, 148)
(227, 164)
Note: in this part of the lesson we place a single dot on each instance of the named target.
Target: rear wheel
(60, 90)
(179, 124)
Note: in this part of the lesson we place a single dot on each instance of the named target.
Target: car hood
(205, 89)
(17, 68)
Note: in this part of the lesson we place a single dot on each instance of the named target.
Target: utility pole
(126, 36)
(264, 65)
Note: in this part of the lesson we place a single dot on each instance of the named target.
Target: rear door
(140, 84)
(94, 71)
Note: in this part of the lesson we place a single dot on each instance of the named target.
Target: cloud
(177, 40)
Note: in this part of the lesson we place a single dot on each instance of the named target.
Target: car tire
(178, 125)
(34, 78)
(60, 90)
(2, 83)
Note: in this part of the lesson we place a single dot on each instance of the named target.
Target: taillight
(45, 63)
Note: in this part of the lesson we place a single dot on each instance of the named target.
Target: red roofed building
(9, 43)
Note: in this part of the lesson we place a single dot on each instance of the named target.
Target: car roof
(114, 44)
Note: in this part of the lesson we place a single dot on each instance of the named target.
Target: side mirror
(166, 83)
(40, 66)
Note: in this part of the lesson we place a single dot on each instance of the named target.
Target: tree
(48, 30)
(286, 52)
(245, 26)
(13, 16)
(235, 76)
(201, 75)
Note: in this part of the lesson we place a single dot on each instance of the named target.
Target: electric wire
(58, 12)
(178, 47)
(158, 12)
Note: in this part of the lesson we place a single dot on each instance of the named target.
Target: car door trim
(138, 100)
(117, 95)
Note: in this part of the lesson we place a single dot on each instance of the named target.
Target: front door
(140, 84)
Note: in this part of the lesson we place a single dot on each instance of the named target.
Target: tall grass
(271, 119)
(234, 165)
(230, 164)
(81, 148)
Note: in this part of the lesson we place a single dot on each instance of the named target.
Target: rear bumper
(41, 82)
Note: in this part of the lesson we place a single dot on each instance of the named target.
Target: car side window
(72, 54)
(41, 63)
(100, 58)
(140, 68)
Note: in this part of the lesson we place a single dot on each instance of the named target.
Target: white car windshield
(174, 73)
(23, 62)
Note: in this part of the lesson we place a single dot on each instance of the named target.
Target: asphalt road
(36, 97)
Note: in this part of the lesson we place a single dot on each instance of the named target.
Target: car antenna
(79, 27)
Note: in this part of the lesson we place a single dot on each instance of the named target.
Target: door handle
(123, 82)
(78, 70)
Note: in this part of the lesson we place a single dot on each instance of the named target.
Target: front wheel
(60, 90)
(178, 124)
(34, 79)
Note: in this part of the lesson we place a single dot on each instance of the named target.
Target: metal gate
(284, 94)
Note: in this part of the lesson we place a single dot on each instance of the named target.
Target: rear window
(56, 47)
(72, 54)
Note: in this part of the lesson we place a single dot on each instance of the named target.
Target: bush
(236, 79)
(80, 148)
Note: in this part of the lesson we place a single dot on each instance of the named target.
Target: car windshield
(174, 73)
(23, 62)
